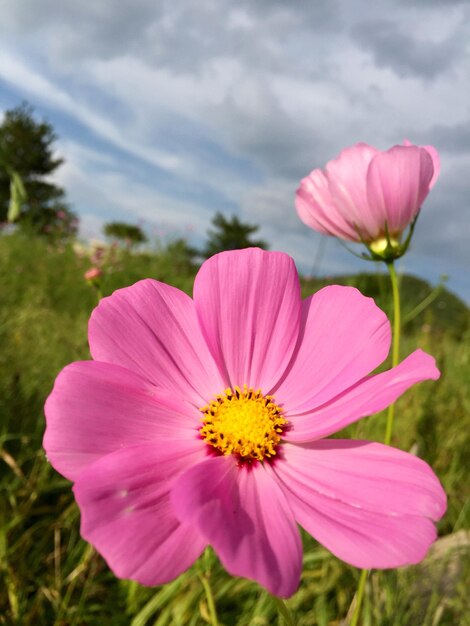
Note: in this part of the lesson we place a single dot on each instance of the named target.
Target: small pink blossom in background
(61, 215)
(152, 486)
(93, 273)
(365, 191)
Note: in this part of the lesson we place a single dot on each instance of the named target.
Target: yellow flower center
(380, 245)
(244, 423)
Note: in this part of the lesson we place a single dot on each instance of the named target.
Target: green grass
(49, 576)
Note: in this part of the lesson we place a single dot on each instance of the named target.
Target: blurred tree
(26, 162)
(128, 234)
(230, 234)
(183, 255)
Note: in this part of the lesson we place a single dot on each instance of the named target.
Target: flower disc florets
(245, 423)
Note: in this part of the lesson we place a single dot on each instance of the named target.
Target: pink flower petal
(96, 408)
(347, 183)
(369, 504)
(316, 208)
(151, 328)
(127, 515)
(364, 191)
(436, 161)
(370, 395)
(344, 336)
(398, 181)
(248, 304)
(243, 514)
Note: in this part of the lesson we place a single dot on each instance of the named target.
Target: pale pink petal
(370, 395)
(248, 304)
(96, 408)
(344, 336)
(398, 181)
(347, 176)
(244, 516)
(316, 208)
(151, 328)
(127, 516)
(436, 161)
(369, 504)
(365, 190)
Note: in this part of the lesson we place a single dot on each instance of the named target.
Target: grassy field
(49, 576)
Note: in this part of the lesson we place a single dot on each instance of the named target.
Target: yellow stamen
(244, 423)
(380, 245)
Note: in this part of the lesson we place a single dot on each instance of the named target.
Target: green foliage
(230, 234)
(26, 162)
(50, 576)
(182, 255)
(127, 233)
(446, 313)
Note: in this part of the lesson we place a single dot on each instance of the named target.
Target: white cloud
(235, 102)
(97, 183)
(14, 71)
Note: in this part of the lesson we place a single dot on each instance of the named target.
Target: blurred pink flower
(203, 421)
(93, 273)
(365, 192)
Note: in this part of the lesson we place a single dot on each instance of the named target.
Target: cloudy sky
(170, 110)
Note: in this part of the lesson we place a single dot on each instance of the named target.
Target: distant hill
(445, 313)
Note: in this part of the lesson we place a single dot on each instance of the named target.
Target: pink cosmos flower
(365, 192)
(203, 421)
(92, 274)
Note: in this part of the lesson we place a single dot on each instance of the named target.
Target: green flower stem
(395, 344)
(210, 598)
(390, 415)
(284, 611)
(359, 596)
(419, 308)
